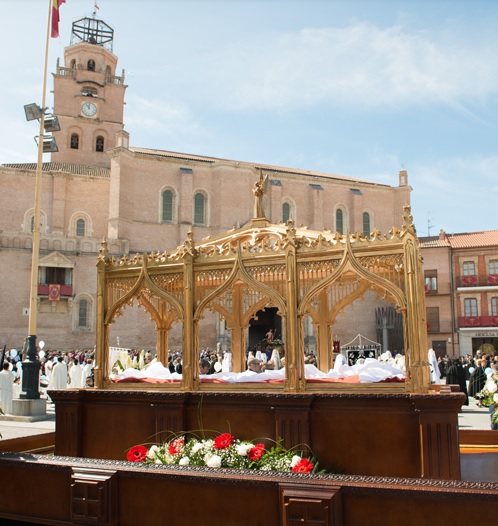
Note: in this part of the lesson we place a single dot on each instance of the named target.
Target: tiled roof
(75, 169)
(269, 167)
(433, 242)
(487, 238)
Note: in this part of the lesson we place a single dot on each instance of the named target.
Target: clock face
(89, 109)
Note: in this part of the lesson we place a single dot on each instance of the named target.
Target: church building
(98, 186)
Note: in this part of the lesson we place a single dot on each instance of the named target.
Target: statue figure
(259, 190)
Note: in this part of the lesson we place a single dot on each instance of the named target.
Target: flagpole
(31, 365)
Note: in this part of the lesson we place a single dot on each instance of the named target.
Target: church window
(99, 146)
(80, 227)
(167, 215)
(339, 221)
(75, 141)
(286, 212)
(91, 65)
(199, 209)
(89, 92)
(366, 224)
(83, 313)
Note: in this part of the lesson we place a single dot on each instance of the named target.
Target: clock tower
(88, 96)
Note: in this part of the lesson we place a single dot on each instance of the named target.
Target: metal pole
(31, 365)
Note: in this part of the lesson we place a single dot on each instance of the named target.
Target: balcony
(66, 290)
(468, 281)
(478, 281)
(478, 321)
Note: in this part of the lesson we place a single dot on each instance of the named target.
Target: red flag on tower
(56, 4)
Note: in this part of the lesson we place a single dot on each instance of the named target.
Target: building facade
(461, 277)
(98, 186)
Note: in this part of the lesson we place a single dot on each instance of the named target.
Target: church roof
(72, 168)
(266, 167)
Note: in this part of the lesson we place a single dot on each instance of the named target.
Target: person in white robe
(87, 372)
(76, 374)
(434, 368)
(340, 360)
(59, 375)
(226, 364)
(7, 378)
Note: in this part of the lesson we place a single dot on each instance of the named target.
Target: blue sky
(360, 88)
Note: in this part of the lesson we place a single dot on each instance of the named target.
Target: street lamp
(31, 365)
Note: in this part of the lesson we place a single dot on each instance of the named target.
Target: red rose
(223, 441)
(176, 446)
(303, 466)
(256, 452)
(137, 454)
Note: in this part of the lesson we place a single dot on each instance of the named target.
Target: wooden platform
(86, 491)
(386, 434)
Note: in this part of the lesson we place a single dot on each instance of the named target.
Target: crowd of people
(63, 369)
(470, 373)
(58, 370)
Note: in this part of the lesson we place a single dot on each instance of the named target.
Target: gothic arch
(73, 224)
(29, 218)
(166, 216)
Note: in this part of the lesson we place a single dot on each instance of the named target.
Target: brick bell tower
(88, 96)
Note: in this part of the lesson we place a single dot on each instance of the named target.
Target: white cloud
(361, 65)
(157, 117)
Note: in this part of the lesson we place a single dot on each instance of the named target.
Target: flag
(56, 4)
(96, 6)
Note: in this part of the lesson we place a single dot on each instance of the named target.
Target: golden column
(190, 372)
(294, 362)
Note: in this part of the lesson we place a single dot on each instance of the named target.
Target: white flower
(295, 460)
(214, 461)
(185, 461)
(197, 447)
(491, 386)
(243, 449)
(158, 461)
(153, 452)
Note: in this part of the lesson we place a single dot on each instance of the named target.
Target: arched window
(91, 65)
(366, 224)
(80, 227)
(167, 215)
(99, 145)
(199, 209)
(83, 313)
(75, 141)
(339, 221)
(286, 212)
(73, 64)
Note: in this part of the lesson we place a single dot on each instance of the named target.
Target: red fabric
(55, 17)
(54, 292)
(348, 380)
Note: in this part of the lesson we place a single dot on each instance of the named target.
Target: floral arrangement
(223, 451)
(488, 396)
